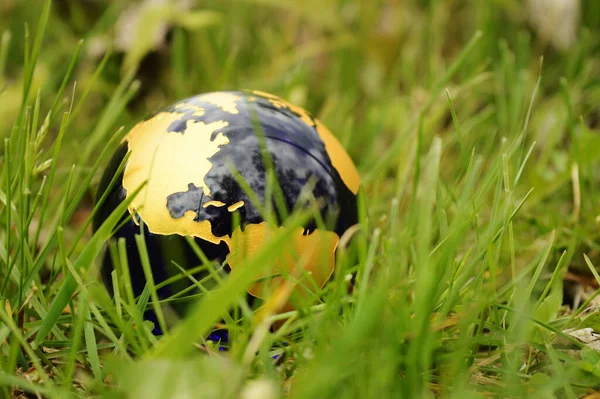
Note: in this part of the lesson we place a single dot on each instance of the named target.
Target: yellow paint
(187, 156)
(280, 103)
(226, 101)
(236, 206)
(306, 257)
(217, 204)
(265, 94)
(339, 157)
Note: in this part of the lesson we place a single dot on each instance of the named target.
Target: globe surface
(202, 164)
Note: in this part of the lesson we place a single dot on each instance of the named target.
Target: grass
(477, 143)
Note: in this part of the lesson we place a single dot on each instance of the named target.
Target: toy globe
(202, 170)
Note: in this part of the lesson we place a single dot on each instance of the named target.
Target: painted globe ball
(201, 167)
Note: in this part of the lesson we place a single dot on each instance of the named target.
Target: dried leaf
(556, 21)
(143, 28)
(588, 337)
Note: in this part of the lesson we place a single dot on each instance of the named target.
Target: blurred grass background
(474, 124)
